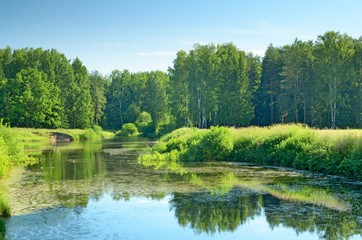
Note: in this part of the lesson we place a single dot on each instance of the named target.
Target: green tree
(97, 88)
(179, 96)
(296, 86)
(118, 96)
(34, 101)
(267, 95)
(235, 106)
(82, 107)
(334, 53)
(155, 99)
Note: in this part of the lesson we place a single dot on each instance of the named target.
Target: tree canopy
(316, 83)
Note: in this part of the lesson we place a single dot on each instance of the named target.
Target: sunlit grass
(29, 135)
(4, 206)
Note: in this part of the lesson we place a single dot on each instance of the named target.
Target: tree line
(316, 83)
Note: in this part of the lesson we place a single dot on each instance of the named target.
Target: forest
(317, 83)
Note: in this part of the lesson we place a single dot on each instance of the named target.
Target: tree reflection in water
(2, 229)
(209, 213)
(208, 197)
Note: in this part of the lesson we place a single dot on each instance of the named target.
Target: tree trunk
(304, 109)
(333, 93)
(271, 108)
(120, 111)
(199, 108)
(295, 101)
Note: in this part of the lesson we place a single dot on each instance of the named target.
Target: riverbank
(13, 142)
(11, 155)
(42, 134)
(334, 152)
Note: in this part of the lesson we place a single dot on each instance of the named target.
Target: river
(98, 190)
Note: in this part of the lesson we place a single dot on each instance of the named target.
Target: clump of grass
(4, 206)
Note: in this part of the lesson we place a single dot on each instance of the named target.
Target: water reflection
(208, 198)
(2, 229)
(210, 213)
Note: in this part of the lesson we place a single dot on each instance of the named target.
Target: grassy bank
(336, 152)
(11, 155)
(34, 138)
(14, 140)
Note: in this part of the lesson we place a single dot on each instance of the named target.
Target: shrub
(215, 145)
(128, 130)
(98, 130)
(144, 119)
(88, 134)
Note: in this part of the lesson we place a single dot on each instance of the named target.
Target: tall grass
(337, 152)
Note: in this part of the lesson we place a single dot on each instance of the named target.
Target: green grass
(11, 155)
(29, 135)
(4, 206)
(336, 152)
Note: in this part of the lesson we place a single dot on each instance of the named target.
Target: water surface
(98, 190)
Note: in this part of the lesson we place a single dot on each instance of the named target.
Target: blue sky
(145, 35)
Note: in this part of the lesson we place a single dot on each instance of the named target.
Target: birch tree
(334, 53)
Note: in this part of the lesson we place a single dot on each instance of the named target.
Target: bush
(11, 153)
(92, 133)
(144, 119)
(88, 134)
(128, 130)
(215, 144)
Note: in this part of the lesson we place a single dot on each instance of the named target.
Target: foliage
(128, 130)
(316, 83)
(41, 88)
(336, 152)
(4, 207)
(144, 123)
(11, 155)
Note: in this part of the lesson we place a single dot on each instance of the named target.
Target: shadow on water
(206, 197)
(2, 229)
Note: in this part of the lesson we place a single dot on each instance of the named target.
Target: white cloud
(106, 44)
(172, 53)
(119, 44)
